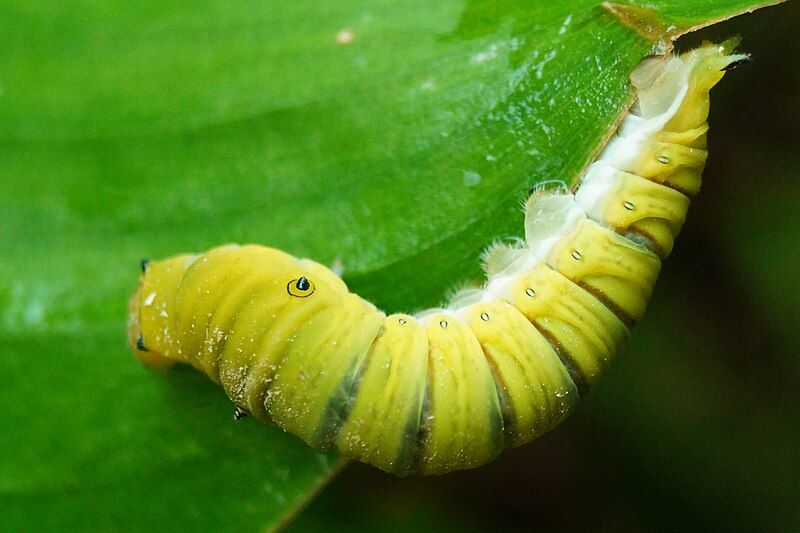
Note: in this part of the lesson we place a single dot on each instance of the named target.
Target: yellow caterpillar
(449, 388)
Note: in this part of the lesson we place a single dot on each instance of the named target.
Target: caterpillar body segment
(582, 331)
(449, 388)
(640, 209)
(383, 426)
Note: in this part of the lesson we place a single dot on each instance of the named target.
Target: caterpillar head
(251, 285)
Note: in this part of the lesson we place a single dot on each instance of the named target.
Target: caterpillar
(449, 388)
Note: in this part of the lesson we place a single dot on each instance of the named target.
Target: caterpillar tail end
(713, 60)
(673, 90)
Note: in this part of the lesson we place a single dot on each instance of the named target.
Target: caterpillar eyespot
(448, 389)
(300, 287)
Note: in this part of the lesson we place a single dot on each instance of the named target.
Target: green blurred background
(697, 424)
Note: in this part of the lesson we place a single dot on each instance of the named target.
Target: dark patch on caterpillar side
(623, 317)
(508, 416)
(410, 443)
(409, 455)
(496, 427)
(574, 371)
(417, 450)
(140, 344)
(340, 405)
(338, 410)
(498, 443)
(143, 264)
(407, 462)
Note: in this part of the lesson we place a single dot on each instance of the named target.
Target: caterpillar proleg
(449, 388)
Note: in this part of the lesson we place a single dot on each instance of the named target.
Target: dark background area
(697, 424)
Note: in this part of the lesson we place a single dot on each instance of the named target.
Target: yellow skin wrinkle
(449, 388)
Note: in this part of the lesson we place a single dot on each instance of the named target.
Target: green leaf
(398, 138)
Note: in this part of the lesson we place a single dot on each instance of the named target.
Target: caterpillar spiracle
(449, 388)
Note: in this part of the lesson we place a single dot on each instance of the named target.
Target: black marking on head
(303, 283)
(240, 413)
(741, 61)
(140, 344)
(143, 264)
